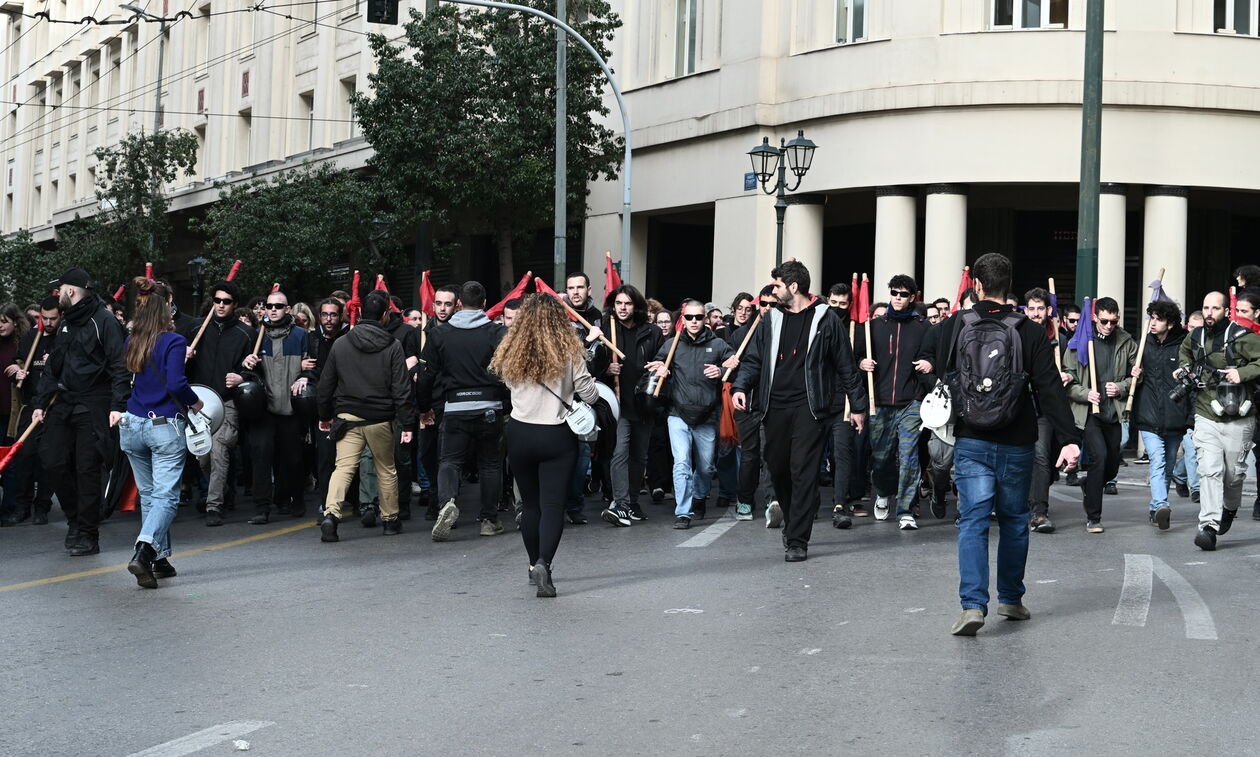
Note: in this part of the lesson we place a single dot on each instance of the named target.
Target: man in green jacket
(1224, 361)
(1114, 355)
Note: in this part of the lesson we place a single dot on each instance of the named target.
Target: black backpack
(987, 380)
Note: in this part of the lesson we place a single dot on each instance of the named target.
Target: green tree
(293, 229)
(26, 268)
(462, 119)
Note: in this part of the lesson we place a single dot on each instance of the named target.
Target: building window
(686, 12)
(1237, 17)
(1030, 14)
(348, 88)
(850, 20)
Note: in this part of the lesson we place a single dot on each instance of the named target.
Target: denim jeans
(1186, 471)
(992, 478)
(693, 448)
(155, 448)
(1162, 452)
(895, 447)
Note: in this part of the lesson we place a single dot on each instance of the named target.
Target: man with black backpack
(1000, 370)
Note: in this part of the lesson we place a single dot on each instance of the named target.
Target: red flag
(862, 310)
(118, 295)
(541, 287)
(352, 306)
(148, 271)
(130, 496)
(236, 268)
(1233, 301)
(612, 279)
(963, 286)
(427, 295)
(275, 287)
(382, 287)
(517, 292)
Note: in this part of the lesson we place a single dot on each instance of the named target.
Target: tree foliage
(462, 118)
(293, 228)
(26, 268)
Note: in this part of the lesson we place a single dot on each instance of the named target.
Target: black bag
(646, 405)
(988, 379)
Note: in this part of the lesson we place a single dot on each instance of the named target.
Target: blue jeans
(156, 452)
(992, 478)
(1162, 453)
(1186, 471)
(691, 444)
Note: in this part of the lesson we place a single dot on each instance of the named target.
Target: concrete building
(944, 130)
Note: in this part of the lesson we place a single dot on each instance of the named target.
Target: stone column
(945, 240)
(743, 242)
(803, 236)
(1164, 242)
(1112, 206)
(896, 209)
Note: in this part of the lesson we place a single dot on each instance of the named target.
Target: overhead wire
(189, 113)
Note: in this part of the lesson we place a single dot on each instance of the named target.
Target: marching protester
(694, 409)
(727, 456)
(996, 435)
(1038, 311)
(151, 431)
(753, 475)
(577, 287)
(13, 327)
(802, 366)
(1222, 361)
(894, 358)
(540, 352)
(275, 436)
(83, 382)
(32, 484)
(640, 340)
(1113, 355)
(660, 460)
(217, 363)
(593, 459)
(445, 305)
(363, 391)
(457, 357)
(1162, 416)
(1247, 313)
(330, 326)
(842, 438)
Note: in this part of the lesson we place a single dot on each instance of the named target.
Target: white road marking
(683, 611)
(915, 609)
(712, 533)
(1196, 562)
(1064, 496)
(1135, 597)
(1048, 581)
(195, 742)
(810, 651)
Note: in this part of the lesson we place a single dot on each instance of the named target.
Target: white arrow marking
(1135, 597)
(1194, 610)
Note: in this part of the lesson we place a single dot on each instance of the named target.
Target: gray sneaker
(491, 528)
(968, 623)
(774, 515)
(1014, 612)
(445, 521)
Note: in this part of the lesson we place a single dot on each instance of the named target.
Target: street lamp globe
(800, 153)
(765, 160)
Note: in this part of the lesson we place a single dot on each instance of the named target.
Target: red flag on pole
(148, 271)
(236, 268)
(1233, 301)
(517, 292)
(122, 292)
(381, 286)
(862, 307)
(963, 286)
(612, 279)
(352, 307)
(541, 287)
(275, 287)
(427, 295)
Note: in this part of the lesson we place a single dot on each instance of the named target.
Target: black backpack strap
(967, 318)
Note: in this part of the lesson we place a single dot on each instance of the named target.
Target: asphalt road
(400, 646)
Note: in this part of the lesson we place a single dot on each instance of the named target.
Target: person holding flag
(1041, 308)
(1100, 362)
(1162, 416)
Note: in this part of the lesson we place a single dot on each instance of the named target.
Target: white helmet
(936, 410)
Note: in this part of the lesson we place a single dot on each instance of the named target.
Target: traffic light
(383, 12)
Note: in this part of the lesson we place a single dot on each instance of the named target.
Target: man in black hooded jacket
(1161, 420)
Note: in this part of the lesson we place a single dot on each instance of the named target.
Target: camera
(1191, 380)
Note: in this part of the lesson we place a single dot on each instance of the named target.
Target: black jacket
(1153, 409)
(1042, 375)
(321, 345)
(457, 359)
(693, 397)
(895, 344)
(640, 344)
(86, 364)
(366, 376)
(830, 371)
(224, 344)
(38, 360)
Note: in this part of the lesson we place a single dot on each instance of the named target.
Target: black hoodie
(366, 376)
(457, 360)
(224, 344)
(1153, 409)
(86, 364)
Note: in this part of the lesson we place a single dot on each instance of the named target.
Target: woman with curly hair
(542, 362)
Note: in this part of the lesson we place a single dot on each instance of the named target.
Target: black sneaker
(86, 545)
(1183, 490)
(261, 519)
(637, 514)
(1042, 524)
(1161, 516)
(141, 565)
(576, 517)
(1110, 488)
(698, 507)
(938, 506)
(1205, 539)
(617, 516)
(328, 529)
(391, 527)
(1194, 496)
(368, 516)
(214, 518)
(795, 554)
(840, 518)
(658, 495)
(1227, 520)
(163, 568)
(682, 523)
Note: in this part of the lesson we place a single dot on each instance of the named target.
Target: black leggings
(542, 460)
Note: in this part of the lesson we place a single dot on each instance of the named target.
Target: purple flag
(1157, 292)
(1084, 333)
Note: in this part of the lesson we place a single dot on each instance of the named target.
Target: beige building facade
(944, 130)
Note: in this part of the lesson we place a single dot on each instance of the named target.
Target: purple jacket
(163, 375)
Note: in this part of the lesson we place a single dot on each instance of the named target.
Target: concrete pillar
(603, 234)
(743, 243)
(1112, 207)
(1164, 242)
(896, 210)
(945, 240)
(803, 236)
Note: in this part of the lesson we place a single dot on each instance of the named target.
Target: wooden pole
(612, 327)
(1128, 403)
(30, 356)
(1093, 374)
(870, 377)
(262, 327)
(578, 317)
(743, 345)
(1058, 355)
(668, 360)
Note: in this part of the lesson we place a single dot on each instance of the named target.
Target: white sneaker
(908, 523)
(774, 515)
(415, 488)
(881, 508)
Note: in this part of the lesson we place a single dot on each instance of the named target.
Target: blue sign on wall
(750, 181)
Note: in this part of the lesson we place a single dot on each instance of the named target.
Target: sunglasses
(1108, 321)
(1074, 320)
(223, 300)
(276, 306)
(694, 317)
(900, 293)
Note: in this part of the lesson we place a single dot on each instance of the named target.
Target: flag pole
(1054, 320)
(870, 375)
(1128, 404)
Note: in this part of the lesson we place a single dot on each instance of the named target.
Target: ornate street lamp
(196, 270)
(772, 162)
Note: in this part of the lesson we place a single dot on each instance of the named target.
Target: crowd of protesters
(368, 407)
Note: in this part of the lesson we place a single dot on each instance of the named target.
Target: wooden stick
(30, 356)
(870, 354)
(668, 359)
(612, 326)
(1093, 374)
(742, 346)
(262, 328)
(1128, 403)
(1058, 356)
(578, 317)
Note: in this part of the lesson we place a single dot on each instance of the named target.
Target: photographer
(1161, 412)
(1222, 361)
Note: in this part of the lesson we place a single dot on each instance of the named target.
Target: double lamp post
(772, 162)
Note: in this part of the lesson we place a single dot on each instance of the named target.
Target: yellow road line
(177, 555)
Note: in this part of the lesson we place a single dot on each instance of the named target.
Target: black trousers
(480, 432)
(31, 480)
(660, 461)
(843, 438)
(1103, 440)
(76, 443)
(542, 459)
(794, 449)
(752, 467)
(405, 469)
(275, 445)
(429, 437)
